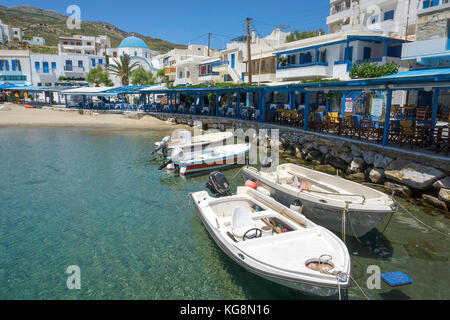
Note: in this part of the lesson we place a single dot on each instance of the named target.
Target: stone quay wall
(408, 173)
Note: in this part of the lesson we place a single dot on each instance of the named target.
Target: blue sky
(181, 21)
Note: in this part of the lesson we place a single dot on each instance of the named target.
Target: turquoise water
(91, 198)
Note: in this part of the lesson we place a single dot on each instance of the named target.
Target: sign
(377, 107)
(349, 105)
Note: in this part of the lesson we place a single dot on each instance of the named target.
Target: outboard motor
(218, 185)
(175, 158)
(163, 144)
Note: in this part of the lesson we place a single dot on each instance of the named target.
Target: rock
(376, 175)
(400, 190)
(435, 202)
(369, 157)
(444, 195)
(298, 153)
(310, 146)
(316, 162)
(323, 149)
(356, 151)
(335, 162)
(347, 157)
(357, 177)
(443, 183)
(315, 154)
(357, 165)
(413, 174)
(380, 161)
(309, 158)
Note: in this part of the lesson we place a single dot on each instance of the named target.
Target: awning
(420, 73)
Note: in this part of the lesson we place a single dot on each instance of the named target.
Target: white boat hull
(260, 269)
(358, 221)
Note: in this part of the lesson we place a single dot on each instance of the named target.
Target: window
(68, 65)
(80, 63)
(45, 67)
(100, 61)
(389, 15)
(53, 65)
(367, 53)
(6, 65)
(93, 62)
(373, 19)
(1, 65)
(180, 75)
(188, 74)
(37, 65)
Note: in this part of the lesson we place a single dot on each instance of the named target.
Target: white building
(37, 41)
(8, 33)
(46, 69)
(79, 44)
(331, 56)
(139, 52)
(392, 18)
(182, 65)
(15, 67)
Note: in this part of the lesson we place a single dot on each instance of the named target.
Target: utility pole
(249, 53)
(407, 20)
(209, 42)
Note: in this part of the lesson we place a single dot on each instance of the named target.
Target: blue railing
(325, 64)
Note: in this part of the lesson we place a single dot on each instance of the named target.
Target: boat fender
(296, 206)
(251, 184)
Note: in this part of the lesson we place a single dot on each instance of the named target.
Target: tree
(141, 77)
(123, 68)
(98, 76)
(372, 70)
(297, 35)
(162, 75)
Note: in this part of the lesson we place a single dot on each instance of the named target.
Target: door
(232, 61)
(425, 99)
(367, 53)
(45, 67)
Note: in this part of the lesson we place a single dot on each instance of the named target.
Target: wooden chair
(421, 114)
(407, 132)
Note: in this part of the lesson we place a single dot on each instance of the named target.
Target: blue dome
(133, 42)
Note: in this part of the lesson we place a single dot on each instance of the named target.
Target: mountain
(50, 25)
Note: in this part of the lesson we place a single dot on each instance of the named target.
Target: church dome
(133, 42)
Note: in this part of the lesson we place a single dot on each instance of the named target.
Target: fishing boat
(275, 242)
(213, 158)
(326, 199)
(187, 143)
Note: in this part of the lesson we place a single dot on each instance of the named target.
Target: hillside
(51, 25)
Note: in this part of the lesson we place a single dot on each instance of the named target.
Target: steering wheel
(258, 234)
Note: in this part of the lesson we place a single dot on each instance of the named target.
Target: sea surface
(91, 198)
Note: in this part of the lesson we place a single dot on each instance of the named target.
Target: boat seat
(241, 221)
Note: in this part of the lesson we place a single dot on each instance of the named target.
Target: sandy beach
(12, 115)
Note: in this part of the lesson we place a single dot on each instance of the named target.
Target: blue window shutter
(389, 15)
(53, 65)
(6, 65)
(93, 62)
(13, 64)
(1, 65)
(19, 67)
(37, 65)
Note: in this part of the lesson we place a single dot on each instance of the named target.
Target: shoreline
(17, 116)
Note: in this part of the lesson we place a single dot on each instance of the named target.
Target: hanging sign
(349, 105)
(377, 107)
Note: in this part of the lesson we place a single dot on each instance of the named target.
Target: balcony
(339, 16)
(309, 70)
(168, 71)
(425, 49)
(73, 69)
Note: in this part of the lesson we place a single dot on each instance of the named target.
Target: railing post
(437, 92)
(217, 105)
(306, 113)
(123, 103)
(262, 109)
(344, 96)
(387, 117)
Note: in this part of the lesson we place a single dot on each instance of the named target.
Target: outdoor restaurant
(359, 109)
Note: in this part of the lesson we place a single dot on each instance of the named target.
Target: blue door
(349, 54)
(232, 61)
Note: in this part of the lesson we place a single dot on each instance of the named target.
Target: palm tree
(123, 68)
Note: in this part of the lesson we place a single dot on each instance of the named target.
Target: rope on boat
(418, 220)
(339, 274)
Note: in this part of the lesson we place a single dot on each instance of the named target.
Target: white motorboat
(325, 198)
(213, 158)
(188, 143)
(275, 242)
